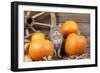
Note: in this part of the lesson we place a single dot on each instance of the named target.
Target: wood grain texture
(78, 17)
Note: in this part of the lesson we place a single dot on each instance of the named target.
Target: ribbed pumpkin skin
(41, 48)
(75, 44)
(69, 27)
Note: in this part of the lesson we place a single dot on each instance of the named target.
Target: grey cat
(57, 39)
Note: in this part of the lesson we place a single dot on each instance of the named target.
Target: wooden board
(78, 17)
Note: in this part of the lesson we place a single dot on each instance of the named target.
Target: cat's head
(55, 32)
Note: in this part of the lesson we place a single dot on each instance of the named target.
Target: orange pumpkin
(37, 36)
(69, 27)
(48, 48)
(75, 44)
(40, 48)
(35, 49)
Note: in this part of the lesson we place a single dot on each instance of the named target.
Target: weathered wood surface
(78, 17)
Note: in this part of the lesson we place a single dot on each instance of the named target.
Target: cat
(57, 38)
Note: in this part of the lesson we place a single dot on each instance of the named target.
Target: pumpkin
(69, 27)
(41, 48)
(75, 44)
(37, 36)
(48, 48)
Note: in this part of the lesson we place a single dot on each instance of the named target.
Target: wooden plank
(78, 17)
(84, 28)
(45, 18)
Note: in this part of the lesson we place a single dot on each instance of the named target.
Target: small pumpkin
(35, 49)
(69, 27)
(41, 48)
(48, 48)
(38, 36)
(75, 44)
